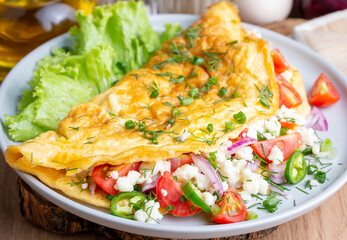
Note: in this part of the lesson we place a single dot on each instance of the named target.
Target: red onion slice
(278, 175)
(253, 166)
(316, 120)
(206, 167)
(243, 142)
(184, 136)
(150, 186)
(92, 187)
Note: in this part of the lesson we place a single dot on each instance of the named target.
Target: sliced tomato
(174, 197)
(280, 63)
(180, 161)
(289, 125)
(105, 182)
(287, 144)
(232, 208)
(323, 92)
(289, 97)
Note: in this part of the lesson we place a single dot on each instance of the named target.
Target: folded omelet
(204, 77)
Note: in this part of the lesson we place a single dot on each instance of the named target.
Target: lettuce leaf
(111, 41)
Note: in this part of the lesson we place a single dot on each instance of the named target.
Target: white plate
(309, 64)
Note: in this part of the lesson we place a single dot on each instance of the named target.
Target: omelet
(202, 88)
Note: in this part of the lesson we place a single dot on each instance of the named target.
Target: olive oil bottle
(26, 24)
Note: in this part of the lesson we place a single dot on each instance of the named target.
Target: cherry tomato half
(280, 63)
(289, 97)
(105, 182)
(287, 144)
(173, 197)
(323, 92)
(232, 208)
(180, 161)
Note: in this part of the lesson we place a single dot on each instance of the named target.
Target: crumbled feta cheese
(316, 148)
(255, 128)
(209, 198)
(150, 213)
(126, 184)
(231, 169)
(309, 137)
(268, 136)
(273, 126)
(314, 183)
(186, 172)
(114, 175)
(84, 185)
(246, 196)
(164, 192)
(140, 215)
(289, 131)
(245, 153)
(225, 186)
(276, 155)
(284, 114)
(254, 183)
(202, 182)
(287, 75)
(150, 169)
(222, 151)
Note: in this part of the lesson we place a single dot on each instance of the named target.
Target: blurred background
(26, 24)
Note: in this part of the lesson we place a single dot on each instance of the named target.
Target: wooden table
(328, 221)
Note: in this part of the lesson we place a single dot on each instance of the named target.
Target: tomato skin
(229, 201)
(323, 92)
(106, 183)
(173, 197)
(289, 125)
(287, 144)
(180, 161)
(289, 97)
(280, 63)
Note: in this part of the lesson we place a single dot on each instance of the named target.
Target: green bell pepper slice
(296, 168)
(124, 204)
(194, 195)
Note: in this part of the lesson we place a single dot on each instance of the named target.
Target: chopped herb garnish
(214, 60)
(270, 204)
(129, 124)
(301, 190)
(229, 126)
(70, 169)
(240, 117)
(197, 61)
(183, 198)
(264, 95)
(253, 205)
(168, 104)
(191, 34)
(222, 92)
(185, 101)
(176, 112)
(284, 131)
(260, 136)
(194, 93)
(154, 89)
(32, 157)
(64, 136)
(311, 169)
(294, 203)
(210, 127)
(109, 196)
(321, 176)
(75, 128)
(213, 80)
(58, 162)
(170, 208)
(233, 44)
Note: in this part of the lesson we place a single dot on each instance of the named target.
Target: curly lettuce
(109, 42)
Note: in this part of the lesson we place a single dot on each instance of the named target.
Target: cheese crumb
(84, 185)
(114, 175)
(314, 183)
(126, 184)
(245, 153)
(276, 155)
(164, 192)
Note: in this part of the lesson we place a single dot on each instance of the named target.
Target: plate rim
(196, 232)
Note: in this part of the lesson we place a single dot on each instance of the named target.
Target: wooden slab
(45, 214)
